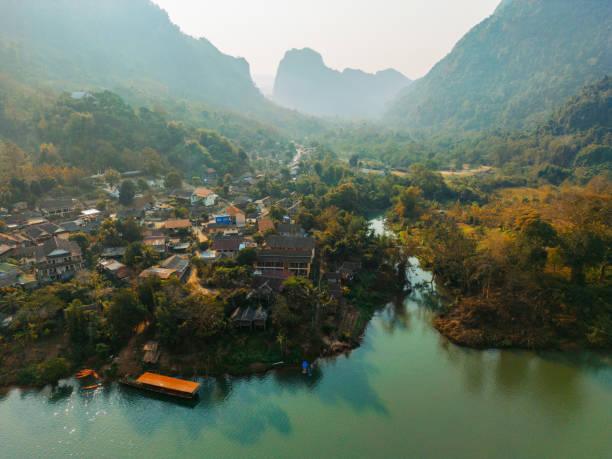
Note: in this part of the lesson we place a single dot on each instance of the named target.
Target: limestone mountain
(303, 82)
(514, 68)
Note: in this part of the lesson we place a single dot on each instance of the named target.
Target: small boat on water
(94, 386)
(164, 385)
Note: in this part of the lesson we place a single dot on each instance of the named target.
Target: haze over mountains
(126, 46)
(512, 69)
(304, 83)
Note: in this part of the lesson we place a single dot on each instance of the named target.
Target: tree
(124, 314)
(139, 255)
(354, 160)
(81, 240)
(127, 192)
(112, 177)
(173, 180)
(247, 256)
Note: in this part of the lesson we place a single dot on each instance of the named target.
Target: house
(6, 251)
(210, 175)
(237, 216)
(247, 317)
(226, 246)
(178, 264)
(157, 243)
(112, 252)
(58, 207)
(286, 253)
(298, 262)
(57, 259)
(275, 279)
(203, 196)
(220, 228)
(177, 226)
(162, 273)
(348, 269)
(41, 232)
(115, 269)
(289, 229)
(265, 224)
(181, 195)
(264, 203)
(290, 243)
(9, 275)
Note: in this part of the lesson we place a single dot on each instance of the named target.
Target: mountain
(130, 47)
(304, 83)
(514, 68)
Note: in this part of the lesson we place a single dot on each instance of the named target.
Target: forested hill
(514, 68)
(304, 83)
(128, 47)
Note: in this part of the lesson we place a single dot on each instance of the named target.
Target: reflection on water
(405, 392)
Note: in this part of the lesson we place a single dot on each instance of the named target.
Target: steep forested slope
(303, 82)
(130, 47)
(515, 67)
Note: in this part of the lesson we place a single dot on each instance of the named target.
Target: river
(406, 392)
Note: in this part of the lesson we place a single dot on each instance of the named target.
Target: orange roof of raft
(180, 385)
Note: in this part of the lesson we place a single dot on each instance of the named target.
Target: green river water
(406, 392)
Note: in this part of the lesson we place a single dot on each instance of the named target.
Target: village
(188, 233)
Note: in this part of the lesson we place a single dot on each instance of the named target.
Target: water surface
(405, 392)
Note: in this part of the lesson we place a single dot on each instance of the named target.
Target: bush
(48, 372)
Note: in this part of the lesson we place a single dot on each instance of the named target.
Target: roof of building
(165, 382)
(175, 263)
(90, 212)
(226, 243)
(265, 225)
(291, 256)
(177, 224)
(60, 203)
(288, 228)
(290, 242)
(154, 240)
(113, 251)
(162, 273)
(55, 247)
(233, 210)
(181, 194)
(202, 192)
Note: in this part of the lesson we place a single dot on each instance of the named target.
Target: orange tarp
(166, 382)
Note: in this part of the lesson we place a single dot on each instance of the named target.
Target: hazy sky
(408, 35)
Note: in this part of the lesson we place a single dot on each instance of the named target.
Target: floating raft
(165, 385)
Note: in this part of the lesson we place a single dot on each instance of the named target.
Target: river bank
(404, 391)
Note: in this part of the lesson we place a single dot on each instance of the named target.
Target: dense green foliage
(512, 69)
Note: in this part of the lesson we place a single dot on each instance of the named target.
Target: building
(226, 246)
(237, 216)
(265, 224)
(178, 264)
(286, 253)
(181, 195)
(289, 229)
(162, 273)
(177, 226)
(63, 207)
(57, 259)
(157, 243)
(203, 196)
(115, 270)
(41, 232)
